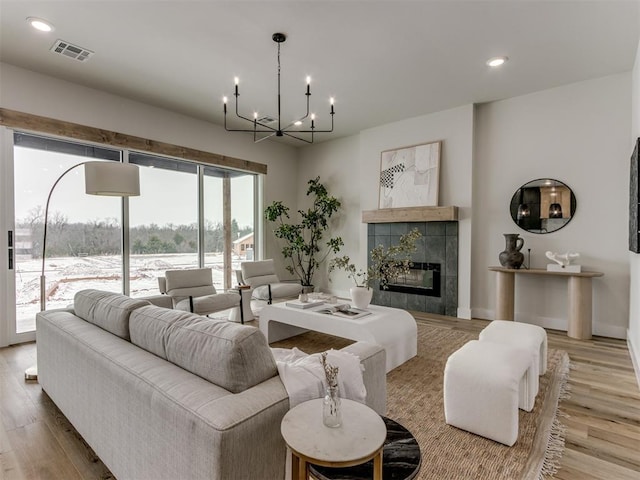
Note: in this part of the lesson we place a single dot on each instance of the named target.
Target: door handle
(10, 249)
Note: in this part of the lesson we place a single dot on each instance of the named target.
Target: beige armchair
(261, 277)
(193, 291)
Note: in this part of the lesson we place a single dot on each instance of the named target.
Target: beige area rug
(415, 400)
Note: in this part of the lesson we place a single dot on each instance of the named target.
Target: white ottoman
(521, 335)
(484, 385)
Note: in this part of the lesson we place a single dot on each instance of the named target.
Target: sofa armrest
(162, 285)
(374, 359)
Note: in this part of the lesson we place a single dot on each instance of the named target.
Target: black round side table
(400, 459)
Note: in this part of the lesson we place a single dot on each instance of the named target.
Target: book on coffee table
(304, 305)
(344, 310)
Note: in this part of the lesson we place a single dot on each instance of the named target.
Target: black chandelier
(260, 124)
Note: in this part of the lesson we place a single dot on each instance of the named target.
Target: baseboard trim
(482, 313)
(635, 360)
(601, 330)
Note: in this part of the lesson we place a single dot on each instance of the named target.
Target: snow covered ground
(68, 275)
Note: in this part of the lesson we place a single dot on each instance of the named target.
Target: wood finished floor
(603, 423)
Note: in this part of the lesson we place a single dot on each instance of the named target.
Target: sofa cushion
(259, 273)
(234, 357)
(261, 280)
(278, 290)
(107, 310)
(149, 327)
(193, 277)
(210, 303)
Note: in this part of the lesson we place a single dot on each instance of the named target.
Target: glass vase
(332, 408)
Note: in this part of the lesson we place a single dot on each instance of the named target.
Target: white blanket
(304, 378)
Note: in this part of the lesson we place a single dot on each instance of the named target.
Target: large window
(228, 202)
(178, 221)
(163, 221)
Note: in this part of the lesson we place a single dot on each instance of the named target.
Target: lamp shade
(112, 179)
(523, 211)
(555, 210)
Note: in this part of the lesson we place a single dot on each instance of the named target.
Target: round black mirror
(543, 206)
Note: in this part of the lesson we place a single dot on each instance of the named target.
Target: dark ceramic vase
(511, 257)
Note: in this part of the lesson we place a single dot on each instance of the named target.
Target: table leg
(580, 308)
(505, 286)
(377, 466)
(303, 471)
(295, 467)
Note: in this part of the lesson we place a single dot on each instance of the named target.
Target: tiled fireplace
(434, 287)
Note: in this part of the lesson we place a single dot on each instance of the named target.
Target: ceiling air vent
(266, 119)
(72, 51)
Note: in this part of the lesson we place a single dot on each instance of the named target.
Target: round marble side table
(359, 439)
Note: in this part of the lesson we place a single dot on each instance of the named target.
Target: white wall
(633, 335)
(578, 134)
(337, 163)
(38, 94)
(351, 168)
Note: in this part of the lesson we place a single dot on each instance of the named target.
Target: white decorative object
(361, 296)
(564, 262)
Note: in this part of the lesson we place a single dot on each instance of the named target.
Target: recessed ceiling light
(497, 61)
(40, 24)
(297, 123)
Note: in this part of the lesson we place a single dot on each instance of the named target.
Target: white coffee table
(392, 328)
(359, 439)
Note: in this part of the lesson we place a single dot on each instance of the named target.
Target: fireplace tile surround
(438, 244)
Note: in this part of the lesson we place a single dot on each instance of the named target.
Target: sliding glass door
(84, 233)
(188, 215)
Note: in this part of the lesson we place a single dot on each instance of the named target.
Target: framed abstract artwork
(409, 176)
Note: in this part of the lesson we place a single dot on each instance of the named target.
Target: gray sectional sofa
(166, 394)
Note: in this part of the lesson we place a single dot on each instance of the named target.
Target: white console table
(580, 297)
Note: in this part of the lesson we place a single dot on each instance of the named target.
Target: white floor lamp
(101, 178)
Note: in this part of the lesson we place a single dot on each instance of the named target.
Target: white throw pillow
(304, 378)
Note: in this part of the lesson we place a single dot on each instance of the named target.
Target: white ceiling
(382, 60)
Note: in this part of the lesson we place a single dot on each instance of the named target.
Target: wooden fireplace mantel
(410, 214)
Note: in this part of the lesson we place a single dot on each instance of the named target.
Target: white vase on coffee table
(361, 296)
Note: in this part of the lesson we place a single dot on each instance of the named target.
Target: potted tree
(387, 264)
(304, 247)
